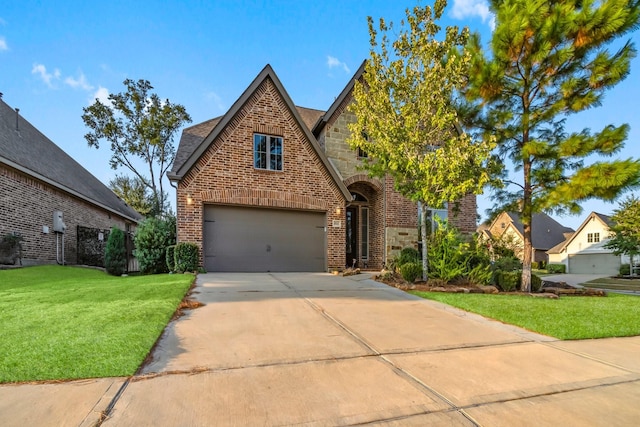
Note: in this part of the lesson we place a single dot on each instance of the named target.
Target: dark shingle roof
(31, 152)
(546, 232)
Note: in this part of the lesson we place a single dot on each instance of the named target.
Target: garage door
(254, 239)
(594, 264)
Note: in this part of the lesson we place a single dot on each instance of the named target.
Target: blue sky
(57, 56)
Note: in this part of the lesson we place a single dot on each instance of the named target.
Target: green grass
(565, 318)
(66, 322)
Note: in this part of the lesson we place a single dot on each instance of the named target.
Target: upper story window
(267, 152)
(593, 237)
(361, 153)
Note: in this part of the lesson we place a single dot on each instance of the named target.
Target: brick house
(37, 179)
(270, 186)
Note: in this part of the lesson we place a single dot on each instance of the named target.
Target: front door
(352, 236)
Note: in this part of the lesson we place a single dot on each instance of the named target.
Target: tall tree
(405, 116)
(139, 125)
(548, 60)
(135, 193)
(625, 237)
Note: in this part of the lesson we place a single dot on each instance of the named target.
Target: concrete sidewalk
(316, 349)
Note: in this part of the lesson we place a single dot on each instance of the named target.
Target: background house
(271, 186)
(545, 233)
(37, 179)
(584, 253)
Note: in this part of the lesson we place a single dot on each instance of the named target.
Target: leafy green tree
(115, 255)
(405, 117)
(138, 125)
(625, 237)
(548, 60)
(134, 192)
(153, 236)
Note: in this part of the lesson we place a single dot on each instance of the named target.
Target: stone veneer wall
(398, 238)
(224, 174)
(27, 204)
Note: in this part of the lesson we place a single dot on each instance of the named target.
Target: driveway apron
(317, 349)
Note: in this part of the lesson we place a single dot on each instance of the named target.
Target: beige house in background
(545, 233)
(584, 253)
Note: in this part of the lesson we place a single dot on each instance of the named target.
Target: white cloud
(81, 82)
(46, 77)
(215, 98)
(470, 8)
(102, 94)
(3, 44)
(333, 62)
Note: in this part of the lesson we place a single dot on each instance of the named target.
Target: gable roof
(324, 119)
(196, 144)
(29, 151)
(546, 231)
(605, 219)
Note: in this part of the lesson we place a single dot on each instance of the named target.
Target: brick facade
(224, 173)
(27, 204)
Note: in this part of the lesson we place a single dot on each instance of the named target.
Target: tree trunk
(525, 218)
(423, 233)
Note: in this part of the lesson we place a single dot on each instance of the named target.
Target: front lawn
(67, 322)
(565, 318)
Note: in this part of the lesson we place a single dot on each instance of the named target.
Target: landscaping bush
(153, 235)
(115, 253)
(625, 269)
(535, 265)
(447, 253)
(507, 264)
(480, 274)
(508, 281)
(186, 257)
(536, 283)
(556, 268)
(408, 254)
(170, 258)
(410, 271)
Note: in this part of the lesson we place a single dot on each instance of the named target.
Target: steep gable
(265, 92)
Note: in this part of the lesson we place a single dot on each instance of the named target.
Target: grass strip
(66, 322)
(566, 318)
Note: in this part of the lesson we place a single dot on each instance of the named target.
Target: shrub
(536, 283)
(480, 274)
(625, 269)
(186, 257)
(556, 268)
(508, 281)
(153, 235)
(408, 254)
(535, 265)
(507, 264)
(170, 258)
(448, 253)
(115, 253)
(410, 271)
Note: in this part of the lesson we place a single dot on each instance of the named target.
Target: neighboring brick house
(37, 179)
(274, 187)
(546, 233)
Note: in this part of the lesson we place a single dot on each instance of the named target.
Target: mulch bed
(549, 289)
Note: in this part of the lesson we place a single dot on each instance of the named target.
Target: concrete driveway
(574, 279)
(315, 349)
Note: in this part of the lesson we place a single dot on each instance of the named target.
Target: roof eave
(65, 189)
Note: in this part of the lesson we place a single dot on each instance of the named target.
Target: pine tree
(548, 60)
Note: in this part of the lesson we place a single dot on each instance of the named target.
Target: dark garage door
(255, 239)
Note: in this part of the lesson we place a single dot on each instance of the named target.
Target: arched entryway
(364, 228)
